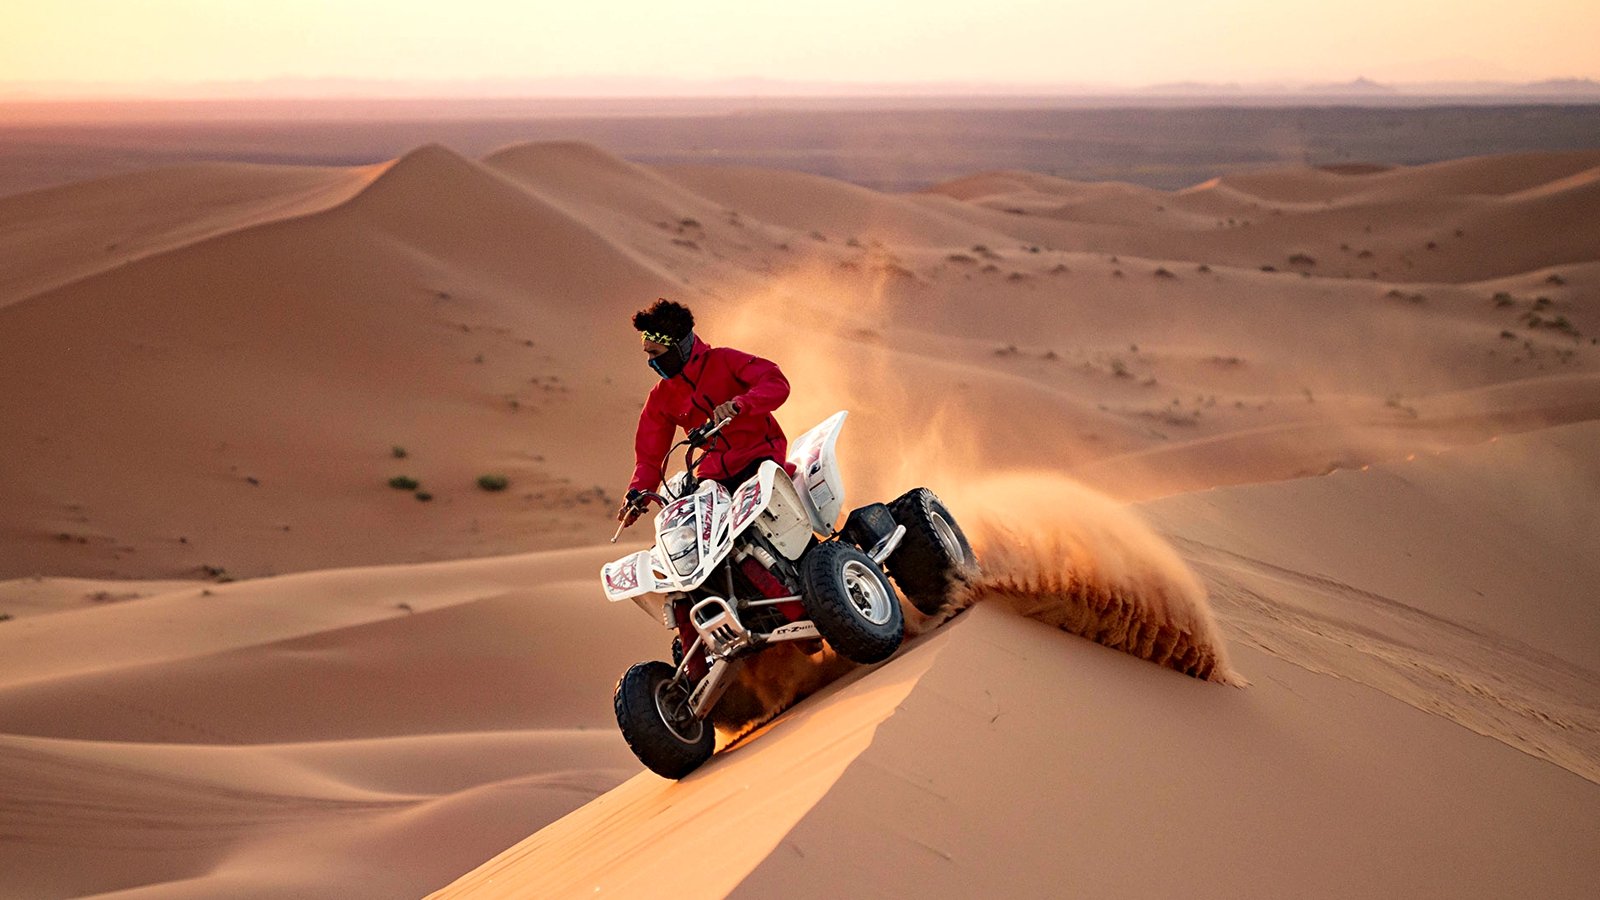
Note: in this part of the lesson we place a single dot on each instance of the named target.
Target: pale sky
(1119, 42)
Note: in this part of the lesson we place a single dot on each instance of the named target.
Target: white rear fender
(816, 475)
(787, 523)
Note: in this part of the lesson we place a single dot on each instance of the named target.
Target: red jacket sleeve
(765, 388)
(650, 444)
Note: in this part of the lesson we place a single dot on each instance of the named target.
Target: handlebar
(641, 502)
(700, 436)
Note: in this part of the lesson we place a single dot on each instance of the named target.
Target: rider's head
(667, 332)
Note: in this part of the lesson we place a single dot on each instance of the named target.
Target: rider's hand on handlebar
(725, 411)
(633, 506)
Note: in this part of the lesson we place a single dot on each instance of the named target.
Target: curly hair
(665, 317)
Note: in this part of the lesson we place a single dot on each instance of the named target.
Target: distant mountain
(1363, 86)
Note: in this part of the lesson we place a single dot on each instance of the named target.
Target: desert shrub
(398, 452)
(403, 483)
(424, 496)
(1503, 299)
(493, 482)
(1163, 273)
(216, 573)
(1301, 259)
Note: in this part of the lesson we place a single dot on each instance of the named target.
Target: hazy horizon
(623, 88)
(78, 49)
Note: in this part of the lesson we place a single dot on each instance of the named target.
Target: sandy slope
(374, 730)
(1028, 763)
(207, 371)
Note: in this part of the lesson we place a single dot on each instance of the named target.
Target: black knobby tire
(933, 554)
(851, 602)
(671, 747)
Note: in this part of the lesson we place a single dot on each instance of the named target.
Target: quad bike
(735, 573)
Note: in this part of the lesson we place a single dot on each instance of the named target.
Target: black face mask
(672, 362)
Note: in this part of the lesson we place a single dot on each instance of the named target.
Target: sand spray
(1047, 546)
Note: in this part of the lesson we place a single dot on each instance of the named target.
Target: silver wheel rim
(866, 593)
(947, 537)
(669, 711)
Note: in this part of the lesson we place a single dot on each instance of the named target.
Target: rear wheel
(851, 602)
(932, 555)
(653, 714)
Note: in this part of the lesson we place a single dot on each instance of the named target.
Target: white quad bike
(734, 573)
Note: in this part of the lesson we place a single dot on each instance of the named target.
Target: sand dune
(1027, 761)
(1462, 220)
(238, 663)
(68, 233)
(292, 734)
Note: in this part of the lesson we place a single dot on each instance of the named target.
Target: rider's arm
(650, 445)
(765, 387)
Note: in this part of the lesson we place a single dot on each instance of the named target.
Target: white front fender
(628, 577)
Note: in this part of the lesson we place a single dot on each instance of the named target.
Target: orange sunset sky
(64, 45)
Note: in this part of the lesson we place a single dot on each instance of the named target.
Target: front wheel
(653, 713)
(851, 602)
(933, 554)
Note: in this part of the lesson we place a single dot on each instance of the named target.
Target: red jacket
(711, 377)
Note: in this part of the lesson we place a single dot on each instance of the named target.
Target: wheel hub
(866, 593)
(672, 703)
(948, 539)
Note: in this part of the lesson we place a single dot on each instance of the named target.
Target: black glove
(633, 505)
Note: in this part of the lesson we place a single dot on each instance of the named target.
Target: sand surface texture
(1330, 439)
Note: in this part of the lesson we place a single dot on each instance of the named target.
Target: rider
(701, 383)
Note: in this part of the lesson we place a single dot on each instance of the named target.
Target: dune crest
(1059, 553)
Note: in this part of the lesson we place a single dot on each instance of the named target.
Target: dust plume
(1047, 546)
(1060, 553)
